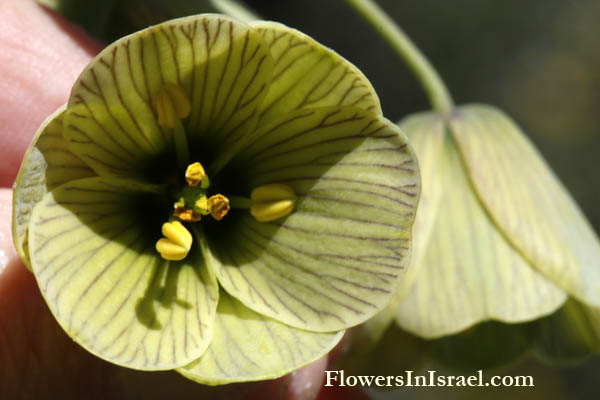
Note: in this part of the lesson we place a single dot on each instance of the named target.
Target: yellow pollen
(171, 104)
(176, 243)
(218, 205)
(194, 174)
(271, 202)
(185, 214)
(201, 205)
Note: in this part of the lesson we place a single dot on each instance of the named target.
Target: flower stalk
(430, 80)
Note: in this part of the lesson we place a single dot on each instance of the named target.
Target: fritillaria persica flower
(218, 198)
(497, 235)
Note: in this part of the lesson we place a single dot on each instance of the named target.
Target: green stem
(436, 90)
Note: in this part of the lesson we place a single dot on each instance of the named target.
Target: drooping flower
(216, 197)
(497, 235)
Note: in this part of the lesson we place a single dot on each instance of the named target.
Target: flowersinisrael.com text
(429, 379)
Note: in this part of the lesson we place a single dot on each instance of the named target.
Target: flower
(497, 235)
(284, 198)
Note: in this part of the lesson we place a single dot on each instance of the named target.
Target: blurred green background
(538, 60)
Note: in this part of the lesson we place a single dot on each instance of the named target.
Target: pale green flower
(497, 235)
(279, 126)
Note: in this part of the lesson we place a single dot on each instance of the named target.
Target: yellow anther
(205, 183)
(179, 203)
(271, 202)
(201, 205)
(265, 212)
(171, 104)
(194, 174)
(165, 110)
(177, 242)
(180, 100)
(218, 205)
(185, 214)
(272, 192)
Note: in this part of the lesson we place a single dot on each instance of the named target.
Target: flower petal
(427, 131)
(222, 65)
(527, 202)
(47, 164)
(467, 271)
(249, 347)
(337, 258)
(309, 75)
(98, 271)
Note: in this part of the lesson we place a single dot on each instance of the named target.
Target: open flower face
(219, 198)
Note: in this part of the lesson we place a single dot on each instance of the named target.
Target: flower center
(192, 203)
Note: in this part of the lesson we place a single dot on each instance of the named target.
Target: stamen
(265, 212)
(185, 214)
(179, 203)
(194, 198)
(272, 192)
(177, 242)
(172, 104)
(179, 99)
(218, 205)
(271, 202)
(194, 174)
(165, 110)
(201, 206)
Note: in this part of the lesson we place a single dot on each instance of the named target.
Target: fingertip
(306, 383)
(41, 57)
(8, 253)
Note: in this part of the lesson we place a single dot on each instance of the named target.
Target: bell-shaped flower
(497, 237)
(219, 198)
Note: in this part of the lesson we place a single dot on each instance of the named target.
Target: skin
(41, 57)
